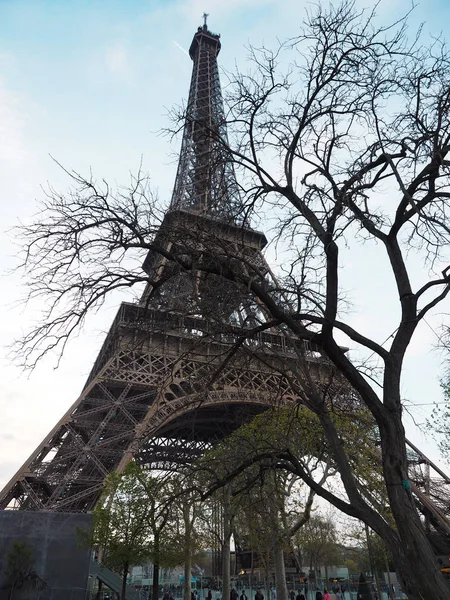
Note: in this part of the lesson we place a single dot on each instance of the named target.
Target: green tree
(352, 566)
(157, 493)
(189, 508)
(20, 568)
(267, 526)
(120, 525)
(317, 540)
(194, 522)
(378, 557)
(273, 509)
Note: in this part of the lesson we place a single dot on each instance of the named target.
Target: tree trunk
(99, 591)
(155, 582)
(226, 560)
(11, 591)
(280, 573)
(252, 572)
(388, 571)
(123, 593)
(187, 569)
(372, 562)
(267, 570)
(414, 560)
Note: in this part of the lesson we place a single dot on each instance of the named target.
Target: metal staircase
(112, 580)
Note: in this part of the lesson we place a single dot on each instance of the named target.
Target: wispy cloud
(180, 47)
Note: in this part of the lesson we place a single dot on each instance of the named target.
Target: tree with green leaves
(217, 519)
(234, 466)
(189, 508)
(317, 542)
(19, 568)
(266, 458)
(138, 520)
(174, 515)
(120, 525)
(157, 493)
(270, 512)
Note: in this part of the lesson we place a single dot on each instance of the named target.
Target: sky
(90, 83)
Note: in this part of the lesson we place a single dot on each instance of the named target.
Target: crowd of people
(300, 595)
(235, 595)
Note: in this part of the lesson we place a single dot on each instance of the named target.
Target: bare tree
(363, 112)
(360, 115)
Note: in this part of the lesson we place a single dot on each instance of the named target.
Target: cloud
(180, 47)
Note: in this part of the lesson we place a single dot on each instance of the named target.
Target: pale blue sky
(90, 83)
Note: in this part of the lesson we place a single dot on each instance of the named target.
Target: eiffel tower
(187, 365)
(175, 372)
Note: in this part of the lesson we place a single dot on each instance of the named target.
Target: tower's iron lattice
(174, 375)
(205, 182)
(159, 391)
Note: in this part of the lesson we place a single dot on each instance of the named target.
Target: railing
(132, 316)
(112, 580)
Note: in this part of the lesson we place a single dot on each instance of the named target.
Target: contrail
(180, 47)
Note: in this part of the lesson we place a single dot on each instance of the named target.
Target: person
(259, 595)
(233, 594)
(300, 595)
(165, 595)
(209, 596)
(340, 594)
(319, 595)
(292, 595)
(243, 596)
(326, 595)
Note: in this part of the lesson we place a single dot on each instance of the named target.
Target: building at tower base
(59, 562)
